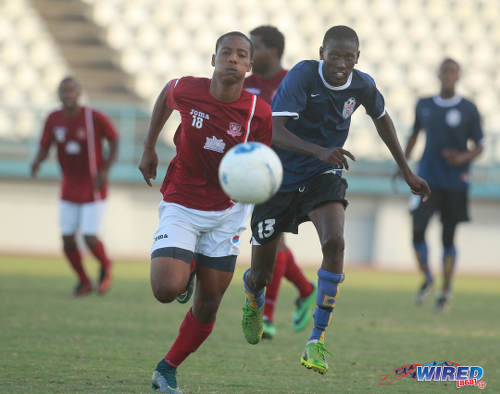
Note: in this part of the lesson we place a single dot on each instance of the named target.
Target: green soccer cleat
(186, 295)
(164, 380)
(252, 323)
(303, 311)
(314, 357)
(269, 329)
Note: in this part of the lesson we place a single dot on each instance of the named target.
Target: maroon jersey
(264, 88)
(208, 129)
(79, 151)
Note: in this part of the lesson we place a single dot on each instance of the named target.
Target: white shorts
(213, 237)
(86, 217)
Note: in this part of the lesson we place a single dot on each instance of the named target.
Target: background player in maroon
(78, 132)
(267, 73)
(196, 218)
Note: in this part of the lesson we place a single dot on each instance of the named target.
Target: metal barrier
(365, 177)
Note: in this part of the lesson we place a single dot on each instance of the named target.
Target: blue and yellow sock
(421, 252)
(328, 291)
(254, 298)
(449, 258)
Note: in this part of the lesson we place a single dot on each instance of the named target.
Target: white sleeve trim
(382, 114)
(294, 115)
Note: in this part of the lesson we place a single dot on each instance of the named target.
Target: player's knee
(333, 247)
(207, 309)
(418, 236)
(165, 292)
(90, 241)
(69, 244)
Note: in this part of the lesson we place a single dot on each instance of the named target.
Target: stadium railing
(367, 176)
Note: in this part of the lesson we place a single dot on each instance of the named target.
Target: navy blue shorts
(286, 210)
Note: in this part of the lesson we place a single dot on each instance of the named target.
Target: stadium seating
(30, 69)
(402, 42)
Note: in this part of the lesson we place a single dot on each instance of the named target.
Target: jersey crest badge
(453, 117)
(215, 144)
(349, 106)
(234, 129)
(60, 133)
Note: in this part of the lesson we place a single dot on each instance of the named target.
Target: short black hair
(271, 37)
(69, 78)
(238, 34)
(449, 60)
(341, 33)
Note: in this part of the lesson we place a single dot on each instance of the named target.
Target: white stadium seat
(402, 44)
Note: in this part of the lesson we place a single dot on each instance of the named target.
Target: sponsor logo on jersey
(198, 118)
(215, 144)
(60, 133)
(199, 114)
(349, 106)
(72, 148)
(234, 129)
(453, 117)
(235, 239)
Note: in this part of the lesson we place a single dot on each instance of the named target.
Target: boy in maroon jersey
(267, 73)
(78, 132)
(196, 218)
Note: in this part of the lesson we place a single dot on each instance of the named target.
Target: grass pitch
(51, 343)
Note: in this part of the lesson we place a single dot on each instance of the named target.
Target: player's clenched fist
(336, 156)
(418, 186)
(148, 164)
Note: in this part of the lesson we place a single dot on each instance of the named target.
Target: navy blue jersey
(448, 124)
(319, 113)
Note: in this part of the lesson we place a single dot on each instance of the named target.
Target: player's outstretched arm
(409, 148)
(284, 139)
(386, 131)
(149, 159)
(40, 156)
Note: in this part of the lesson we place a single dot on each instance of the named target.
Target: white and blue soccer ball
(250, 172)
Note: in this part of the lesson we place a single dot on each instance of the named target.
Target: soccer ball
(250, 172)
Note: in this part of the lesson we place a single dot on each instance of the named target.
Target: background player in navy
(450, 122)
(311, 117)
(196, 218)
(267, 73)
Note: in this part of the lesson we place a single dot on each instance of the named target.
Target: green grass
(50, 342)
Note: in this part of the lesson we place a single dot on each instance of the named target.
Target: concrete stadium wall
(377, 229)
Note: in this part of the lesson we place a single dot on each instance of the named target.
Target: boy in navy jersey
(267, 74)
(197, 219)
(450, 122)
(311, 116)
